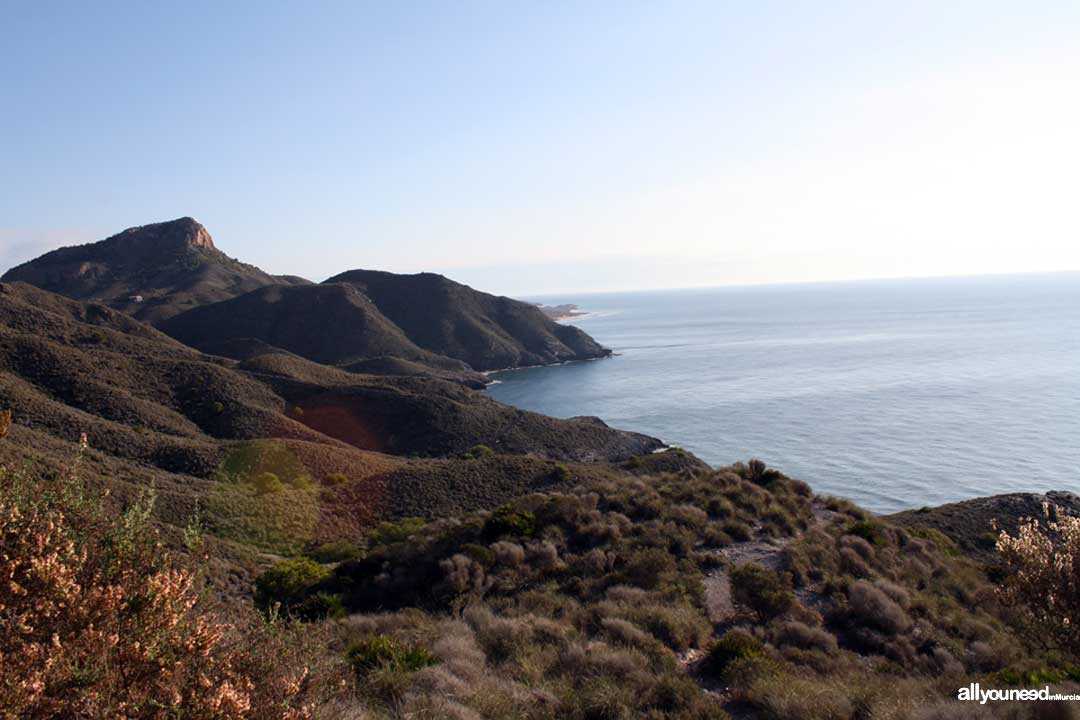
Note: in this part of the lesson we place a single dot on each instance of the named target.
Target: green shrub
(388, 533)
(382, 652)
(320, 605)
(761, 591)
(218, 408)
(1038, 676)
(561, 473)
(869, 531)
(733, 645)
(266, 483)
(479, 553)
(479, 452)
(335, 479)
(507, 520)
(649, 568)
(287, 581)
(334, 552)
(248, 460)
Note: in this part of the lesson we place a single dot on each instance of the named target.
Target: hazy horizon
(563, 148)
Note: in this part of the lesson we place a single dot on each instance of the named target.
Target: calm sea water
(895, 394)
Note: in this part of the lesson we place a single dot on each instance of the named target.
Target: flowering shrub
(96, 619)
(1042, 578)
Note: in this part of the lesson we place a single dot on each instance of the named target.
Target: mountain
(67, 364)
(172, 276)
(331, 324)
(173, 266)
(491, 561)
(486, 331)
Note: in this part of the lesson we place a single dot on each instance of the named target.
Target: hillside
(486, 331)
(971, 523)
(157, 410)
(453, 557)
(697, 594)
(172, 276)
(173, 266)
(330, 324)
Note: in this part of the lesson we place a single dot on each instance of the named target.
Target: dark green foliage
(336, 478)
(319, 606)
(287, 582)
(334, 552)
(479, 452)
(761, 591)
(382, 652)
(219, 408)
(388, 533)
(1038, 676)
(561, 473)
(479, 553)
(649, 568)
(733, 645)
(507, 520)
(266, 483)
(868, 530)
(250, 461)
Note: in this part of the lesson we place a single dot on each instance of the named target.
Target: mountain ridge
(151, 272)
(173, 276)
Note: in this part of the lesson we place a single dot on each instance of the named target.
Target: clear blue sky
(550, 146)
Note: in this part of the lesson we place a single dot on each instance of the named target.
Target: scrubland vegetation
(627, 596)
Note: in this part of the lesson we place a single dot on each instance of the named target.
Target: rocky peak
(183, 234)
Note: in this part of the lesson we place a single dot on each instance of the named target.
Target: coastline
(544, 365)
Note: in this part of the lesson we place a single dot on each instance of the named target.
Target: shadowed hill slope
(974, 524)
(330, 324)
(486, 331)
(171, 275)
(64, 363)
(274, 451)
(173, 266)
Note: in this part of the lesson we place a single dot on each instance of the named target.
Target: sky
(553, 147)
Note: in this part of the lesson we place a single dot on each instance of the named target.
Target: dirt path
(762, 551)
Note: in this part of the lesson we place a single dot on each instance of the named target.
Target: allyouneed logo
(975, 693)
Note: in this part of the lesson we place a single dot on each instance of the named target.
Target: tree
(1042, 578)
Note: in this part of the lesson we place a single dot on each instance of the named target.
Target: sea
(895, 394)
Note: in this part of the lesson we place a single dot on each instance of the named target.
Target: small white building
(135, 298)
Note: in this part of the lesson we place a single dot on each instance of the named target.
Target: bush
(383, 652)
(649, 568)
(100, 620)
(287, 582)
(388, 533)
(800, 635)
(508, 553)
(266, 483)
(1042, 577)
(561, 473)
(761, 591)
(507, 520)
(319, 606)
(479, 553)
(334, 552)
(218, 408)
(479, 452)
(873, 608)
(336, 478)
(733, 645)
(868, 530)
